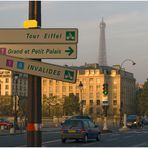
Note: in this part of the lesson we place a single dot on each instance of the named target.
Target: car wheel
(98, 137)
(85, 139)
(63, 140)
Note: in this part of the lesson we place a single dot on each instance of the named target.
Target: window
(98, 102)
(6, 93)
(7, 80)
(91, 80)
(114, 110)
(91, 124)
(70, 88)
(98, 95)
(84, 102)
(98, 80)
(91, 88)
(7, 87)
(44, 82)
(114, 102)
(97, 87)
(64, 88)
(86, 125)
(91, 95)
(91, 102)
(91, 110)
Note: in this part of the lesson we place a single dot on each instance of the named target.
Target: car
(81, 117)
(132, 121)
(145, 121)
(80, 129)
(6, 123)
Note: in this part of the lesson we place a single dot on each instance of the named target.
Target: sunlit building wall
(8, 87)
(121, 86)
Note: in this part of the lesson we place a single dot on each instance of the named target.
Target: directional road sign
(38, 68)
(39, 36)
(40, 51)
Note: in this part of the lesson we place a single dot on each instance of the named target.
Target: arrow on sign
(69, 50)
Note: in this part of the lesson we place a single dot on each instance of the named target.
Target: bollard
(2, 127)
(12, 130)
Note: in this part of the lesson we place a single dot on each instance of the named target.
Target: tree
(143, 99)
(52, 106)
(71, 105)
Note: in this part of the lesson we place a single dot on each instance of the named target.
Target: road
(131, 138)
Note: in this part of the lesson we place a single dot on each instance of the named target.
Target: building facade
(12, 85)
(121, 85)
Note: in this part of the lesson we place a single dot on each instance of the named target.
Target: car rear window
(72, 123)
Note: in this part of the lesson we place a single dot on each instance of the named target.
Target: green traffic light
(105, 92)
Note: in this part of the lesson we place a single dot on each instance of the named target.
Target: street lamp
(81, 103)
(121, 104)
(133, 63)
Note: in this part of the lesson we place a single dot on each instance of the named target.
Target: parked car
(145, 121)
(131, 121)
(79, 129)
(6, 123)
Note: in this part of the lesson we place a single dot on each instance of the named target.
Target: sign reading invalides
(38, 68)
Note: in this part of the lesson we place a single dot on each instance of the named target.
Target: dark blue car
(79, 129)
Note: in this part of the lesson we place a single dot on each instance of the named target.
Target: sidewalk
(7, 132)
(17, 132)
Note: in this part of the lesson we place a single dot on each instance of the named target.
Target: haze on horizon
(126, 29)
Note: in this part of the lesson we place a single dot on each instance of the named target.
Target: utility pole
(34, 137)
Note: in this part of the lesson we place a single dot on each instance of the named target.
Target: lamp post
(81, 103)
(122, 109)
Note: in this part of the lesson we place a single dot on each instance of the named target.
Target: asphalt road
(131, 138)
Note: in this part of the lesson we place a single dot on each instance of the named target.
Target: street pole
(121, 107)
(15, 116)
(34, 136)
(81, 102)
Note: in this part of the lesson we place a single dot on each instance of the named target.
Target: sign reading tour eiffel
(39, 36)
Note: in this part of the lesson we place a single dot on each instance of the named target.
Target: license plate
(71, 131)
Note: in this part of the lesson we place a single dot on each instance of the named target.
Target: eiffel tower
(102, 45)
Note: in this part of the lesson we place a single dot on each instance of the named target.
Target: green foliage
(143, 99)
(52, 106)
(71, 105)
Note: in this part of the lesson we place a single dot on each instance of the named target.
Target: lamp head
(134, 63)
(80, 85)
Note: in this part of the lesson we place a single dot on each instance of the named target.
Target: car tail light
(83, 131)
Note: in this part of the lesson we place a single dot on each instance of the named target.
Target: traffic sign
(38, 68)
(39, 36)
(40, 51)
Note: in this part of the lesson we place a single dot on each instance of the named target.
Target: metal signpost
(37, 43)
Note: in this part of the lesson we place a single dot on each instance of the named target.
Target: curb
(8, 134)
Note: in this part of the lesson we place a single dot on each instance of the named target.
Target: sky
(126, 29)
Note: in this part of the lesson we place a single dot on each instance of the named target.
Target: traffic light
(105, 89)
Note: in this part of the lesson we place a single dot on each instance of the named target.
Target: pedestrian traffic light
(105, 89)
